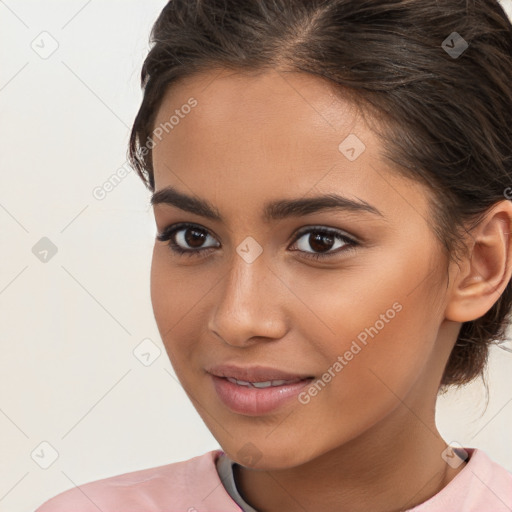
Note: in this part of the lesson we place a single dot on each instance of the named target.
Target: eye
(323, 239)
(185, 238)
(188, 239)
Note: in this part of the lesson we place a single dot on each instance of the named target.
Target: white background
(68, 327)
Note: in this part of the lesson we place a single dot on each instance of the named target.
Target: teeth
(265, 384)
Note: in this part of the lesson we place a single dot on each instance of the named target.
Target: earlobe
(486, 269)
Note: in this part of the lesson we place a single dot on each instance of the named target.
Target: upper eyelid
(174, 228)
(320, 227)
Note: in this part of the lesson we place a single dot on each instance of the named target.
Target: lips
(256, 390)
(255, 398)
(256, 374)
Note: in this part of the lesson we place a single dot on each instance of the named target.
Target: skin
(368, 440)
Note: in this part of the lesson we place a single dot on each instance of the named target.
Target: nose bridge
(246, 305)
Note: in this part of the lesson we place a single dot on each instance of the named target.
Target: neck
(396, 465)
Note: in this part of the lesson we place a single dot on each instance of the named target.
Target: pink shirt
(194, 486)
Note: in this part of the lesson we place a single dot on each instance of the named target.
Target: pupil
(196, 239)
(317, 240)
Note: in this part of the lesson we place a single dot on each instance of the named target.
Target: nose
(250, 305)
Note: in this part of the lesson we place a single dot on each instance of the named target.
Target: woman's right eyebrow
(272, 211)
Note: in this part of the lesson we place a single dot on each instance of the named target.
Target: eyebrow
(275, 210)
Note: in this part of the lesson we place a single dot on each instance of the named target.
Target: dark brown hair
(447, 109)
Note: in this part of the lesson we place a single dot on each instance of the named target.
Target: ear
(484, 272)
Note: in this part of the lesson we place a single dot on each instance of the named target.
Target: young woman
(330, 183)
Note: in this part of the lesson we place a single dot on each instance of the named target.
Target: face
(343, 295)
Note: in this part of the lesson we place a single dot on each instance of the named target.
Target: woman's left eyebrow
(272, 211)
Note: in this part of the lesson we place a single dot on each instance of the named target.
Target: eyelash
(169, 232)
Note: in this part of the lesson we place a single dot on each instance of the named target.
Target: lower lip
(253, 401)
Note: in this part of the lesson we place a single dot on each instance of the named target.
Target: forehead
(279, 117)
(271, 108)
(268, 135)
(221, 92)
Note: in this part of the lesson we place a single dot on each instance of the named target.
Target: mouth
(254, 391)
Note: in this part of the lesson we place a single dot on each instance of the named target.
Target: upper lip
(254, 373)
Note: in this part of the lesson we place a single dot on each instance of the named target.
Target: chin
(266, 456)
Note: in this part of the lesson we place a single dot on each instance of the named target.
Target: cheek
(380, 323)
(170, 299)
(363, 381)
(180, 298)
(161, 289)
(175, 290)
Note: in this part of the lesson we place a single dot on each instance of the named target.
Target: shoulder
(482, 484)
(492, 480)
(187, 486)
